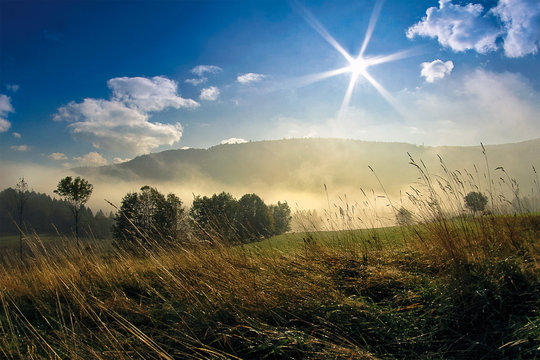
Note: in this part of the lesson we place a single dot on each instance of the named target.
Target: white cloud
(5, 109)
(113, 126)
(458, 27)
(233, 141)
(211, 93)
(197, 81)
(118, 160)
(250, 78)
(12, 87)
(148, 94)
(91, 159)
(477, 107)
(20, 148)
(521, 19)
(122, 123)
(17, 135)
(437, 69)
(203, 69)
(58, 156)
(186, 147)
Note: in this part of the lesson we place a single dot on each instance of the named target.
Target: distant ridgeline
(306, 164)
(45, 215)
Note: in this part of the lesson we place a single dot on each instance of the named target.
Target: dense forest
(45, 215)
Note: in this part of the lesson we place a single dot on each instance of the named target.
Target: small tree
(22, 197)
(404, 217)
(76, 193)
(476, 201)
(282, 217)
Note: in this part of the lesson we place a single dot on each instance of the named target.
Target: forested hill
(45, 215)
(307, 164)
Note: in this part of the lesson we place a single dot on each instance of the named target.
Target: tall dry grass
(449, 284)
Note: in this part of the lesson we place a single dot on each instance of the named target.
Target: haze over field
(156, 76)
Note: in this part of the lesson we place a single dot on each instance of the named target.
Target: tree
(148, 217)
(22, 197)
(476, 201)
(254, 218)
(282, 217)
(215, 217)
(404, 217)
(76, 193)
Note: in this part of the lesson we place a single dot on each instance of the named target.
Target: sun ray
(372, 22)
(315, 24)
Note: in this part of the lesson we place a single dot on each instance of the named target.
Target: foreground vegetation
(446, 284)
(327, 295)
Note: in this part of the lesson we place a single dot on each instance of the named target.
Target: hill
(299, 168)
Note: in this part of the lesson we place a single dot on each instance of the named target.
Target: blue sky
(98, 82)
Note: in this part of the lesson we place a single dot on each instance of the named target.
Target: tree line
(145, 217)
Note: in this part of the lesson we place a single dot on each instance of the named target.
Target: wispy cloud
(58, 156)
(122, 123)
(437, 69)
(471, 27)
(196, 81)
(17, 135)
(91, 159)
(233, 141)
(200, 70)
(12, 87)
(21, 148)
(5, 109)
(250, 78)
(210, 94)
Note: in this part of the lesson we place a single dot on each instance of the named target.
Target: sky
(89, 83)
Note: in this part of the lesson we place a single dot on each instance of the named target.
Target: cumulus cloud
(20, 148)
(17, 135)
(437, 69)
(58, 156)
(210, 94)
(91, 159)
(250, 78)
(458, 27)
(148, 94)
(203, 69)
(197, 81)
(5, 109)
(122, 123)
(233, 141)
(521, 19)
(469, 27)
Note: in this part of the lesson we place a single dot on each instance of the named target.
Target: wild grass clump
(445, 284)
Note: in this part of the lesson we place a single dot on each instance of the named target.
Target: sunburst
(357, 66)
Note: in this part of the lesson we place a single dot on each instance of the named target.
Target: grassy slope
(386, 293)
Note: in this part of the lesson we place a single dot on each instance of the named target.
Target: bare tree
(22, 197)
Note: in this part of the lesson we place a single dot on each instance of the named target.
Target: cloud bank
(471, 27)
(122, 122)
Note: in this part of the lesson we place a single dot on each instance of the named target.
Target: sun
(357, 66)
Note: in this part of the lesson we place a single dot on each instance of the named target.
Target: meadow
(446, 284)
